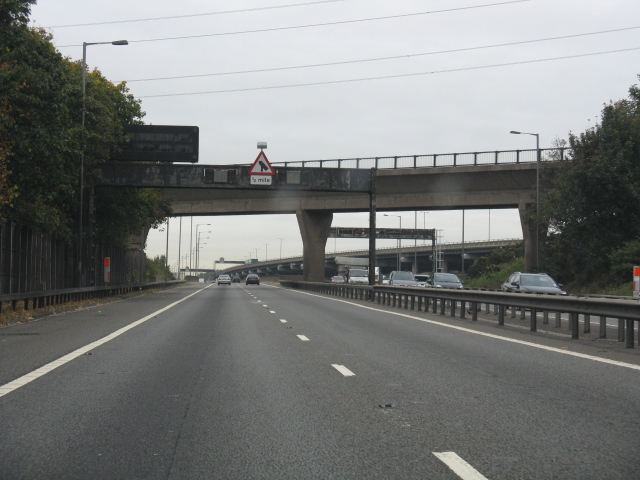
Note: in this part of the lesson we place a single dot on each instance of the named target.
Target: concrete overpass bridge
(314, 191)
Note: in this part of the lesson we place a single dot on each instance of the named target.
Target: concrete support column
(530, 238)
(314, 229)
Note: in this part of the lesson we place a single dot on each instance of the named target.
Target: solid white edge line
(343, 370)
(459, 466)
(39, 372)
(483, 334)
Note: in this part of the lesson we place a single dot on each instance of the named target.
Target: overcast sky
(463, 74)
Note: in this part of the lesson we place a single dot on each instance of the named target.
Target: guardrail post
(575, 330)
(620, 330)
(533, 320)
(587, 324)
(501, 311)
(452, 310)
(603, 327)
(463, 308)
(630, 334)
(474, 311)
(545, 317)
(558, 320)
(442, 306)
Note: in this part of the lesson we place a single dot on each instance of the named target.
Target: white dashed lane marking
(303, 338)
(343, 370)
(459, 466)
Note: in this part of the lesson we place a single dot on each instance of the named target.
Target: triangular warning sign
(261, 166)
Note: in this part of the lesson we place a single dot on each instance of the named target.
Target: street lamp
(266, 251)
(537, 135)
(82, 145)
(280, 246)
(198, 248)
(191, 241)
(399, 247)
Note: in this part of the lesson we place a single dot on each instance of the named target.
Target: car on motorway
(224, 278)
(252, 279)
(337, 279)
(235, 279)
(444, 280)
(519, 282)
(421, 279)
(400, 278)
(357, 276)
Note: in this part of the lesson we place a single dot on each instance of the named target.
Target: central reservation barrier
(465, 302)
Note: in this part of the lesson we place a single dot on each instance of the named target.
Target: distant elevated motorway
(385, 258)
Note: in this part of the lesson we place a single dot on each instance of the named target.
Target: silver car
(224, 278)
(532, 283)
(444, 280)
(402, 279)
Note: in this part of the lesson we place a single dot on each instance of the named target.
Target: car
(337, 279)
(399, 278)
(519, 282)
(444, 280)
(252, 278)
(224, 278)
(235, 279)
(421, 280)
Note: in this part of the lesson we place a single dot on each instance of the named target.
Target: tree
(42, 139)
(593, 204)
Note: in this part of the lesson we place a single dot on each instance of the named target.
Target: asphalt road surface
(260, 382)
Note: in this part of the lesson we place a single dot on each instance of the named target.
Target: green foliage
(42, 139)
(496, 274)
(123, 212)
(156, 271)
(591, 205)
(623, 260)
(491, 263)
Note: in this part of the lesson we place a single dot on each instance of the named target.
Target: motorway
(261, 382)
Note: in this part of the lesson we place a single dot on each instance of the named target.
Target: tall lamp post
(537, 135)
(198, 248)
(82, 144)
(280, 246)
(399, 248)
(191, 243)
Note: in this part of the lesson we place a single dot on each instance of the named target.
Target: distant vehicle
(532, 283)
(421, 280)
(358, 276)
(444, 280)
(224, 278)
(235, 279)
(399, 278)
(252, 278)
(337, 279)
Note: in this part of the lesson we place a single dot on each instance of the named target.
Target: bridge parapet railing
(470, 302)
(500, 157)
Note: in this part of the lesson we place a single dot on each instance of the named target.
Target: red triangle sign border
(261, 163)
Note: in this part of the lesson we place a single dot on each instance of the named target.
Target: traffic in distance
(517, 282)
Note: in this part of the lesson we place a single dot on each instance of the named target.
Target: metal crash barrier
(35, 300)
(470, 302)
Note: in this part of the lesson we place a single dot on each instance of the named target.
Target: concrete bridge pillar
(530, 237)
(314, 229)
